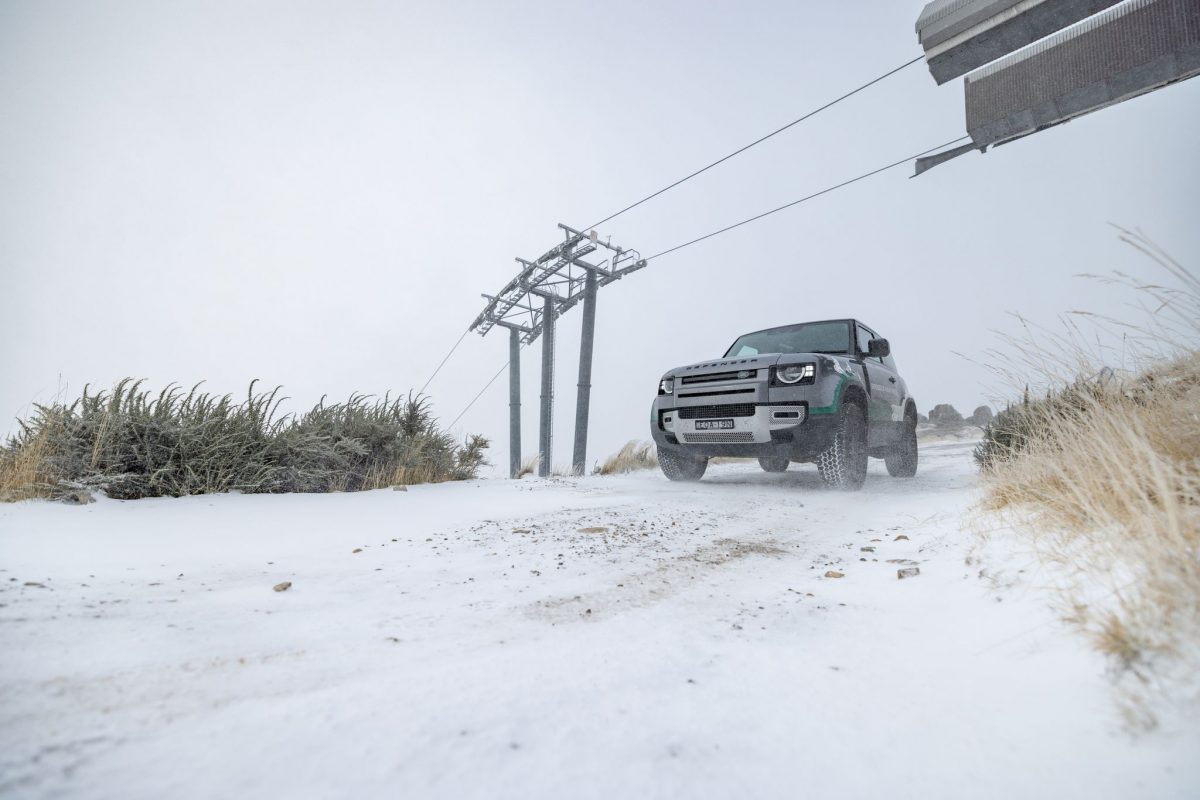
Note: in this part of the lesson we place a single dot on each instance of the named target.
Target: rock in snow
(79, 497)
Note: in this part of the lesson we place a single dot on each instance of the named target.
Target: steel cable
(827, 190)
(758, 141)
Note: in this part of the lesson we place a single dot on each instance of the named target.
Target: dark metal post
(583, 397)
(545, 438)
(514, 402)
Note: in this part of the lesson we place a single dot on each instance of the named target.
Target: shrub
(132, 443)
(1015, 428)
(1003, 437)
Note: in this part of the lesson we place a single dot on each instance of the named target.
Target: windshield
(810, 337)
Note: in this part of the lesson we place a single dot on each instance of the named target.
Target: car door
(886, 391)
(901, 400)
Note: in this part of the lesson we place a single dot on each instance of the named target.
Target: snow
(485, 643)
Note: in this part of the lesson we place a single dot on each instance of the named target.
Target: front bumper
(762, 419)
(761, 435)
(691, 426)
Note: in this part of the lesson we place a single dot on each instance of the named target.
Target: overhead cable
(444, 360)
(758, 141)
(476, 397)
(827, 190)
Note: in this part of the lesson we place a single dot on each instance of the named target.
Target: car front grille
(711, 412)
(733, 437)
(744, 374)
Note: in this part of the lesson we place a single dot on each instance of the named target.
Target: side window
(887, 360)
(863, 337)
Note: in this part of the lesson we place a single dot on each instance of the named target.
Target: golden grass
(26, 473)
(1113, 499)
(1113, 488)
(1106, 487)
(633, 456)
(385, 476)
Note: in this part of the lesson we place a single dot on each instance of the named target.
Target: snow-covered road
(603, 637)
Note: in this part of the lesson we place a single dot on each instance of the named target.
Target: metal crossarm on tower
(561, 271)
(528, 305)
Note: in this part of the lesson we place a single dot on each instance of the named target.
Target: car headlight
(666, 386)
(796, 373)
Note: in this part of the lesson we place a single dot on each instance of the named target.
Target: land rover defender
(826, 392)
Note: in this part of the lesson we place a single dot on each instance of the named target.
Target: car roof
(808, 322)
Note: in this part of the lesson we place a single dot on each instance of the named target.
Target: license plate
(714, 424)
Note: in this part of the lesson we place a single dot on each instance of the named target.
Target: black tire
(774, 464)
(681, 468)
(844, 464)
(901, 461)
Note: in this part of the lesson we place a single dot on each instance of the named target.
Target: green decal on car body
(837, 399)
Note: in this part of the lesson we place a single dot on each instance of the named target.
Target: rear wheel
(844, 464)
(679, 467)
(902, 459)
(774, 464)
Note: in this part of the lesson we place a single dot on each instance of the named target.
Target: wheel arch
(857, 394)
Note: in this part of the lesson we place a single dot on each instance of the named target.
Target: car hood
(760, 361)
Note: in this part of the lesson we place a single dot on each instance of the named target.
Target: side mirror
(879, 348)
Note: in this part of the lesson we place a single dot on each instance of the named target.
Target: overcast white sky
(315, 194)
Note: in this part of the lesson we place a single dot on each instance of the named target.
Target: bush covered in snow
(133, 443)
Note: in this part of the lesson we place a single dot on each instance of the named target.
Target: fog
(316, 194)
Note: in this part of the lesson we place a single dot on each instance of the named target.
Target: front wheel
(774, 464)
(679, 467)
(844, 464)
(901, 460)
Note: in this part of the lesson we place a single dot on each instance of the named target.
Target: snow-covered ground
(604, 637)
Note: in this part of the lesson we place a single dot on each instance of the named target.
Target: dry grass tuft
(1103, 479)
(1112, 486)
(529, 466)
(633, 456)
(25, 473)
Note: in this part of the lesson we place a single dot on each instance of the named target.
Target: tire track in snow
(641, 589)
